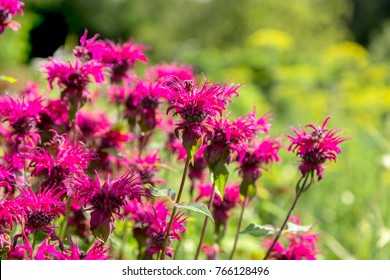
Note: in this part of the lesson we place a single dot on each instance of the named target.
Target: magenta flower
(157, 230)
(142, 105)
(194, 104)
(87, 47)
(92, 124)
(109, 199)
(55, 117)
(222, 208)
(10, 214)
(302, 246)
(23, 116)
(316, 147)
(40, 208)
(74, 79)
(9, 9)
(97, 252)
(182, 72)
(7, 175)
(147, 167)
(119, 58)
(59, 168)
(260, 153)
(212, 251)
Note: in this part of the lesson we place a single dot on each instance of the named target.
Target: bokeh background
(301, 60)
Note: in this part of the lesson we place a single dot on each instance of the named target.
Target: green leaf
(162, 192)
(113, 152)
(220, 176)
(258, 230)
(10, 80)
(193, 149)
(294, 228)
(73, 108)
(104, 230)
(248, 187)
(195, 207)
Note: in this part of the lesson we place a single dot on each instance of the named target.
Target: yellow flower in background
(270, 38)
(346, 52)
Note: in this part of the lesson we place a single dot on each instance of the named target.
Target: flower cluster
(53, 152)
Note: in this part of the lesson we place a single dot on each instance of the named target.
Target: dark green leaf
(195, 207)
(104, 230)
(247, 187)
(258, 230)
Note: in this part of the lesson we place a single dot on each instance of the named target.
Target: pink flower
(23, 116)
(142, 104)
(119, 58)
(110, 198)
(10, 213)
(40, 208)
(316, 147)
(259, 154)
(222, 208)
(87, 47)
(92, 124)
(97, 252)
(301, 246)
(9, 9)
(74, 79)
(59, 168)
(182, 72)
(7, 175)
(147, 167)
(157, 230)
(194, 104)
(212, 251)
(55, 116)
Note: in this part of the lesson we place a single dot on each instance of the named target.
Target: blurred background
(301, 60)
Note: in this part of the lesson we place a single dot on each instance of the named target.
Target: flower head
(109, 199)
(73, 79)
(181, 72)
(260, 153)
(9, 9)
(57, 169)
(316, 147)
(23, 116)
(119, 58)
(40, 208)
(97, 252)
(194, 104)
(158, 227)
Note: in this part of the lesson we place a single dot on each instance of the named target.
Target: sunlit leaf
(195, 207)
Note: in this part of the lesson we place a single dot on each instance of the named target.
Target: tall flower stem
(66, 217)
(300, 189)
(183, 180)
(239, 224)
(206, 219)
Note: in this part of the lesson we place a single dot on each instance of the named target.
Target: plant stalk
(298, 195)
(183, 179)
(206, 219)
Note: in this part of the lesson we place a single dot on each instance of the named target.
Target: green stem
(301, 189)
(124, 240)
(183, 179)
(206, 219)
(239, 224)
(65, 222)
(34, 241)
